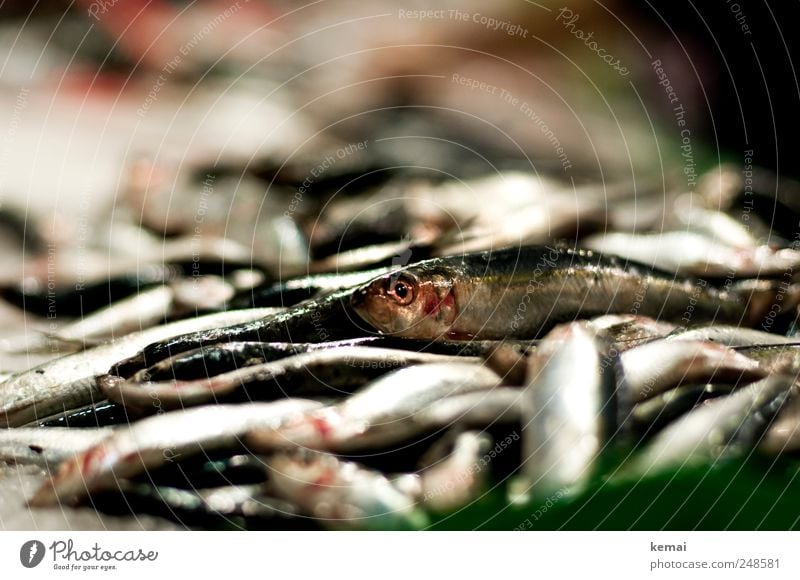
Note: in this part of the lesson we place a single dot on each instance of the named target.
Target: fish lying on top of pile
(381, 396)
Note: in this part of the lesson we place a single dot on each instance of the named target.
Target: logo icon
(31, 553)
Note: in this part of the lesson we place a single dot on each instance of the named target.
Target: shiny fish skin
(157, 440)
(522, 292)
(731, 336)
(323, 373)
(654, 367)
(569, 410)
(382, 413)
(688, 253)
(342, 495)
(318, 320)
(655, 413)
(630, 330)
(69, 382)
(723, 428)
(47, 447)
(479, 409)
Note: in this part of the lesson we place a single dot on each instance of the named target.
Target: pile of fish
(414, 354)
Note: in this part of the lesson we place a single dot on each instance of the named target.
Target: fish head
(410, 303)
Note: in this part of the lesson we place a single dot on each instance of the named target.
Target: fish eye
(402, 290)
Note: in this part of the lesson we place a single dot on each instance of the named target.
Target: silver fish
(630, 330)
(47, 447)
(654, 367)
(569, 409)
(684, 252)
(157, 440)
(331, 371)
(69, 382)
(343, 495)
(731, 336)
(381, 413)
(478, 409)
(726, 427)
(138, 312)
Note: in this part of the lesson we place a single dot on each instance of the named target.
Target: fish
(382, 413)
(342, 495)
(137, 312)
(629, 330)
(652, 415)
(691, 216)
(101, 414)
(725, 428)
(570, 412)
(320, 319)
(332, 373)
(460, 477)
(295, 290)
(47, 447)
(480, 409)
(157, 440)
(731, 336)
(523, 292)
(660, 365)
(689, 253)
(69, 382)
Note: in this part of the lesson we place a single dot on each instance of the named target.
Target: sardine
(157, 440)
(342, 494)
(69, 382)
(731, 336)
(318, 320)
(332, 373)
(630, 330)
(724, 428)
(47, 446)
(688, 253)
(660, 365)
(522, 292)
(472, 410)
(381, 413)
(652, 415)
(570, 411)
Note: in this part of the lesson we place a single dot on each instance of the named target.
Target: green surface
(756, 494)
